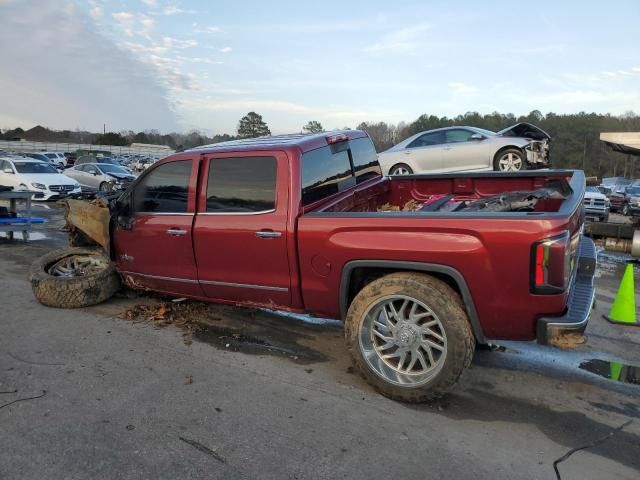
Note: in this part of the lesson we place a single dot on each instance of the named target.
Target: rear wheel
(509, 160)
(409, 336)
(401, 169)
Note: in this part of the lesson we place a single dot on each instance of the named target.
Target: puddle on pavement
(232, 340)
(616, 371)
(258, 332)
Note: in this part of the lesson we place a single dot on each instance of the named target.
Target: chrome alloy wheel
(403, 340)
(400, 171)
(510, 162)
(78, 265)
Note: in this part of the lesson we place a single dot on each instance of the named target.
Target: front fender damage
(88, 222)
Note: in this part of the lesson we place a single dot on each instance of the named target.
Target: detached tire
(409, 336)
(73, 278)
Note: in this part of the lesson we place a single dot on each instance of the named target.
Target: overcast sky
(183, 64)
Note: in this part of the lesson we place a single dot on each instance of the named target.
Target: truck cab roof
(303, 141)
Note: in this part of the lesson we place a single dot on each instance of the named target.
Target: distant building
(161, 149)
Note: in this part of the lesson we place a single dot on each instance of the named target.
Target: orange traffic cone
(623, 309)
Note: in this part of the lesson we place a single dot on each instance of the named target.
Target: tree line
(575, 137)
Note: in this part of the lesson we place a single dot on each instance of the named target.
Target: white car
(57, 158)
(456, 149)
(36, 176)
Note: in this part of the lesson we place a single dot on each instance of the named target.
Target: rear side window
(325, 171)
(428, 139)
(241, 185)
(165, 189)
(365, 159)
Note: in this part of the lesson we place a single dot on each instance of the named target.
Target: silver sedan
(455, 149)
(100, 176)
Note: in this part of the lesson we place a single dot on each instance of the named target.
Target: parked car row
(48, 181)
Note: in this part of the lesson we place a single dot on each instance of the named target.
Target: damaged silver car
(455, 149)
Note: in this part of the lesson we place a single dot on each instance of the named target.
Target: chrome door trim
(158, 277)
(261, 212)
(244, 285)
(148, 214)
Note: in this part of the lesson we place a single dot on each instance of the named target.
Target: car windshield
(593, 189)
(484, 132)
(34, 167)
(112, 169)
(633, 191)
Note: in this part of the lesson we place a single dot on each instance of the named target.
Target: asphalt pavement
(266, 396)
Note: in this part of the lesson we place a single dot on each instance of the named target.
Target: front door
(241, 231)
(155, 251)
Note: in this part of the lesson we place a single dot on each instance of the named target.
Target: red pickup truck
(421, 268)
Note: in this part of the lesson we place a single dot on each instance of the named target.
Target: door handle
(176, 232)
(268, 234)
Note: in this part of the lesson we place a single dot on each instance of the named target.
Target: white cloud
(171, 42)
(123, 17)
(105, 79)
(213, 29)
(150, 3)
(226, 49)
(405, 40)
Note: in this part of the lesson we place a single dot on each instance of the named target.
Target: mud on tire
(445, 305)
(84, 290)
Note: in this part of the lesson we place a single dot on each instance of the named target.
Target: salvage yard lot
(253, 394)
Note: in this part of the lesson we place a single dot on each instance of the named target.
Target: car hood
(121, 176)
(524, 130)
(47, 178)
(595, 196)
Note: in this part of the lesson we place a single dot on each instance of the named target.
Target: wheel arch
(510, 147)
(358, 273)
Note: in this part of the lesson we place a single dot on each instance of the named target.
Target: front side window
(458, 135)
(164, 190)
(428, 139)
(90, 169)
(241, 185)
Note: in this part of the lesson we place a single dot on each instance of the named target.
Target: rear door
(425, 153)
(240, 236)
(156, 250)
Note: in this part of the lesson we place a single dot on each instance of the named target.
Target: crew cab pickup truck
(421, 268)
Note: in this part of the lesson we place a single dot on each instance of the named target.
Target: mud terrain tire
(83, 290)
(446, 307)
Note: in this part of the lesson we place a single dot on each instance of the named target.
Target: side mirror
(8, 170)
(95, 174)
(476, 136)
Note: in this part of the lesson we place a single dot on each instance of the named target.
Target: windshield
(484, 132)
(633, 191)
(112, 169)
(593, 189)
(34, 167)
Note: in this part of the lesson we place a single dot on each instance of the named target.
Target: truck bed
(461, 194)
(490, 250)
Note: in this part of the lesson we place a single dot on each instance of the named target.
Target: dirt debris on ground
(410, 206)
(568, 340)
(187, 316)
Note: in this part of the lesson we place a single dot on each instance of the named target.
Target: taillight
(552, 263)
